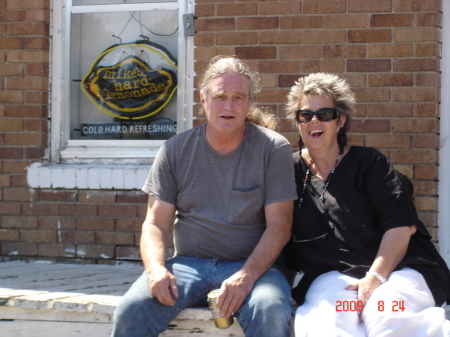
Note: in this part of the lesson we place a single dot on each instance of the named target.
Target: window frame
(69, 151)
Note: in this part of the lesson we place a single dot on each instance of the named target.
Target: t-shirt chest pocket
(245, 207)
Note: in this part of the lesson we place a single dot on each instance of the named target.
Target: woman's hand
(365, 286)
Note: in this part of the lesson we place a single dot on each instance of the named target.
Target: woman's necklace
(326, 183)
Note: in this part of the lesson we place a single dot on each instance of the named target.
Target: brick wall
(387, 49)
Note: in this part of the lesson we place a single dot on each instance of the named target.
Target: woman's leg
(404, 306)
(329, 310)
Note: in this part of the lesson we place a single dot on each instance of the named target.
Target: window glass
(123, 73)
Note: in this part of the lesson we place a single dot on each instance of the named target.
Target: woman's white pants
(319, 315)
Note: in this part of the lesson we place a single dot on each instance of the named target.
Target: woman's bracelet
(378, 276)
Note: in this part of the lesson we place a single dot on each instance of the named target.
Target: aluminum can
(220, 322)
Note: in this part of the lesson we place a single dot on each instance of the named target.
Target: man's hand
(163, 286)
(233, 293)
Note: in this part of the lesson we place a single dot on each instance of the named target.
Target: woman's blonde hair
(322, 84)
(222, 64)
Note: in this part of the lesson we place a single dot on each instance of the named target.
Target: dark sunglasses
(323, 115)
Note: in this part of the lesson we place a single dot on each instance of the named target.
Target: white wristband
(378, 276)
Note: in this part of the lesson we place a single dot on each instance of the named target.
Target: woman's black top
(366, 197)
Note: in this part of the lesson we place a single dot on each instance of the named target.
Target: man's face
(226, 103)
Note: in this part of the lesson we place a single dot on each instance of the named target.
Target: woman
(369, 266)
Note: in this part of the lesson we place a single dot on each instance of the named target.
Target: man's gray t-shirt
(220, 199)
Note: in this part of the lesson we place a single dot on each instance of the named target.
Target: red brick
(426, 141)
(427, 79)
(29, 28)
(299, 52)
(12, 42)
(391, 20)
(415, 125)
(423, 34)
(28, 56)
(56, 249)
(78, 210)
(131, 225)
(18, 180)
(11, 70)
(426, 172)
(279, 37)
(96, 197)
(128, 253)
(390, 110)
(236, 38)
(323, 7)
(9, 235)
(59, 195)
(427, 110)
(26, 139)
(7, 208)
(38, 15)
(323, 36)
(296, 22)
(27, 84)
(355, 80)
(346, 21)
(415, 95)
(425, 203)
(35, 153)
(132, 197)
(11, 97)
(391, 50)
(427, 50)
(344, 51)
(36, 97)
(202, 10)
(324, 65)
(58, 223)
(357, 6)
(15, 166)
(35, 125)
(407, 170)
(19, 222)
(43, 209)
(216, 24)
(37, 70)
(370, 125)
(95, 251)
(19, 249)
(369, 36)
(5, 180)
(388, 141)
(256, 23)
(272, 96)
(28, 4)
(13, 16)
(26, 111)
(428, 19)
(291, 66)
(261, 53)
(414, 157)
(117, 210)
(364, 65)
(428, 218)
(237, 10)
(416, 5)
(287, 80)
(204, 39)
(113, 238)
(372, 95)
(391, 80)
(11, 125)
(11, 153)
(76, 237)
(280, 8)
(39, 236)
(95, 224)
(19, 194)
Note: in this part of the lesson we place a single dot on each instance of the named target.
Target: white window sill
(127, 177)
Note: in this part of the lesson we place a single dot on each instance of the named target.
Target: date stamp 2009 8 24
(359, 305)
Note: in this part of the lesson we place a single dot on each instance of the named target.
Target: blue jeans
(265, 312)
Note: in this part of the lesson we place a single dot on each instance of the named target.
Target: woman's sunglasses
(323, 115)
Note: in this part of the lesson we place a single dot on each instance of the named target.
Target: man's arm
(235, 289)
(155, 233)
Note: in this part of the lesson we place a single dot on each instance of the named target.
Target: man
(231, 185)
